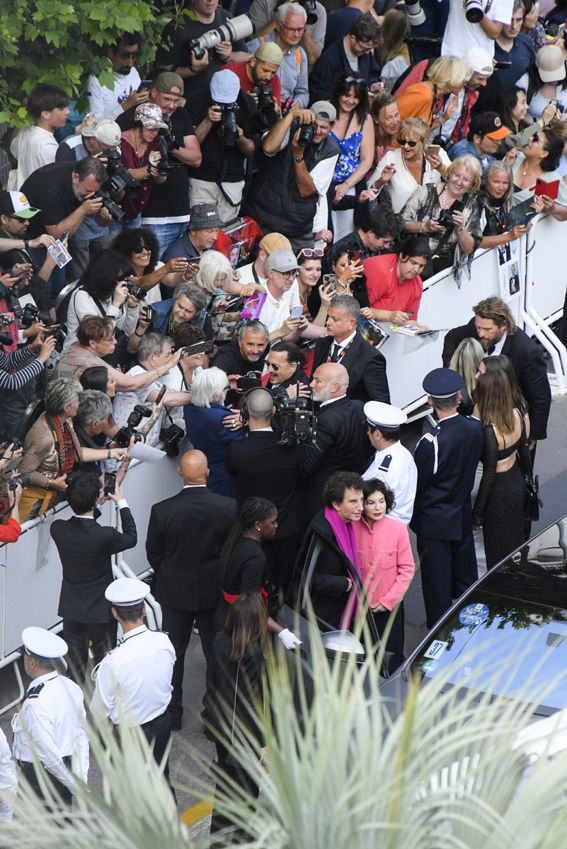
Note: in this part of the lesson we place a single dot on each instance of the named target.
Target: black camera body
(295, 419)
(310, 11)
(306, 133)
(126, 433)
(119, 178)
(446, 215)
(228, 127)
(171, 436)
(267, 112)
(109, 203)
(136, 291)
(18, 480)
(248, 381)
(166, 144)
(204, 347)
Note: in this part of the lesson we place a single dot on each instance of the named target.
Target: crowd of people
(202, 261)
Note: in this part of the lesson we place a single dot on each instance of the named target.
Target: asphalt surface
(191, 778)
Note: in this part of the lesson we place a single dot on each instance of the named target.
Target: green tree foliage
(60, 42)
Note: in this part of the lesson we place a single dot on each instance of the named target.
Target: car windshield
(509, 636)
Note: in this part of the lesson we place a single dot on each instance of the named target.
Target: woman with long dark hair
(236, 691)
(141, 248)
(245, 565)
(499, 505)
(354, 131)
(538, 162)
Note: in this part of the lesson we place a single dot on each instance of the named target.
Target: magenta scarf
(346, 541)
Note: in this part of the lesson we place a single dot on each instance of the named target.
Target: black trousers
(157, 732)
(29, 773)
(396, 639)
(448, 568)
(283, 554)
(179, 626)
(78, 635)
(244, 780)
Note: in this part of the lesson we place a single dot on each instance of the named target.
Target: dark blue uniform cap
(442, 382)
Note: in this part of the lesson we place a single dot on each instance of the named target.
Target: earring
(258, 528)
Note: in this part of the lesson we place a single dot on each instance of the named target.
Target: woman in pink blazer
(386, 560)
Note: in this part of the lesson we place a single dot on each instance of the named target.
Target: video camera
(248, 381)
(125, 434)
(295, 419)
(234, 29)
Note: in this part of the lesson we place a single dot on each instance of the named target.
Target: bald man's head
(260, 405)
(330, 380)
(194, 468)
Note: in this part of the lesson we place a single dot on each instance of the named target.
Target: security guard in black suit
(446, 461)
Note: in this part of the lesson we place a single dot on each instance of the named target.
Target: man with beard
(494, 327)
(261, 70)
(111, 102)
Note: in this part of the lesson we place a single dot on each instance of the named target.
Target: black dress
(499, 505)
(247, 570)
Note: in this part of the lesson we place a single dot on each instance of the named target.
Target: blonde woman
(466, 361)
(216, 276)
(447, 75)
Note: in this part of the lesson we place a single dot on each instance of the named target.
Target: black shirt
(169, 200)
(50, 189)
(221, 163)
(231, 361)
(177, 55)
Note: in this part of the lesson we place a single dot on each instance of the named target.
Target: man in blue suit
(446, 462)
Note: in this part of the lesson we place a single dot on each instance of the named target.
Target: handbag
(532, 501)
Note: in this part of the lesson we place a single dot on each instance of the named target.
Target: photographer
(461, 35)
(226, 139)
(258, 76)
(295, 171)
(201, 16)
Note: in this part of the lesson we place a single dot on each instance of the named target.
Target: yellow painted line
(197, 812)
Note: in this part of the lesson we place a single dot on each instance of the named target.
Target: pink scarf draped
(346, 541)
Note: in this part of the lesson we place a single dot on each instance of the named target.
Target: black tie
(336, 353)
(491, 350)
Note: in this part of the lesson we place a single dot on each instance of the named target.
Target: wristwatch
(298, 158)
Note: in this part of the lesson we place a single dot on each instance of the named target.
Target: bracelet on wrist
(139, 335)
(109, 453)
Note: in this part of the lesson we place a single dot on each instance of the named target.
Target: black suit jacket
(529, 365)
(260, 467)
(186, 534)
(85, 549)
(366, 368)
(341, 445)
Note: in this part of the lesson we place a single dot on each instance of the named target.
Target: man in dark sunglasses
(107, 102)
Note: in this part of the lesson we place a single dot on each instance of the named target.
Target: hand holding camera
(91, 206)
(120, 293)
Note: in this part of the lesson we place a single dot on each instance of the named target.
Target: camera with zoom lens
(125, 434)
(18, 480)
(228, 126)
(109, 204)
(119, 178)
(171, 436)
(234, 29)
(306, 133)
(446, 215)
(310, 11)
(416, 15)
(295, 419)
(267, 112)
(166, 144)
(474, 11)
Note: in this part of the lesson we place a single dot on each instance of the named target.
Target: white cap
(107, 132)
(126, 592)
(43, 644)
(379, 414)
(225, 86)
(480, 61)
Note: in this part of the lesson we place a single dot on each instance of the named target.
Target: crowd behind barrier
(30, 573)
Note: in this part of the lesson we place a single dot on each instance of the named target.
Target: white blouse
(403, 183)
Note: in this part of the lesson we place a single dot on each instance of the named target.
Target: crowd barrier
(30, 571)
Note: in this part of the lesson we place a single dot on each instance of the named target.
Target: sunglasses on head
(308, 253)
(408, 142)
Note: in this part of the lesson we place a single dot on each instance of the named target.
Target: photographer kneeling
(226, 138)
(294, 173)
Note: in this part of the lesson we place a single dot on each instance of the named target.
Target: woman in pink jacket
(386, 561)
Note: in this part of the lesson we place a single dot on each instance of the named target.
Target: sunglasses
(273, 366)
(140, 249)
(308, 253)
(408, 143)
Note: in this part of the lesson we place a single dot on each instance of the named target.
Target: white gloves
(289, 639)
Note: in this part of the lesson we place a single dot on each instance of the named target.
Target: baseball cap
(325, 110)
(225, 86)
(150, 115)
(204, 216)
(107, 132)
(550, 63)
(273, 242)
(167, 80)
(17, 204)
(489, 124)
(270, 52)
(282, 260)
(479, 61)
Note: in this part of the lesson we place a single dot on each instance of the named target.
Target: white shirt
(395, 466)
(331, 400)
(8, 777)
(175, 382)
(33, 148)
(498, 346)
(322, 175)
(461, 36)
(105, 102)
(81, 304)
(274, 312)
(124, 403)
(51, 722)
(133, 682)
(403, 183)
(247, 275)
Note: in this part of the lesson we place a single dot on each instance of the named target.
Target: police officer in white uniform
(393, 464)
(51, 721)
(133, 681)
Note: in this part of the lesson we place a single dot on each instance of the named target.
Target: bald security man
(341, 443)
(186, 534)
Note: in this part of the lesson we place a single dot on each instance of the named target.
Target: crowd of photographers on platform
(207, 262)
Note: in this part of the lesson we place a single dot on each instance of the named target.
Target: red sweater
(385, 291)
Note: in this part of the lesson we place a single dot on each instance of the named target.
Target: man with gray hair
(290, 26)
(247, 352)
(341, 443)
(153, 351)
(187, 304)
(365, 365)
(93, 419)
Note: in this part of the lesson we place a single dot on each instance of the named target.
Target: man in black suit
(262, 467)
(494, 327)
(341, 442)
(366, 366)
(186, 534)
(85, 549)
(446, 463)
